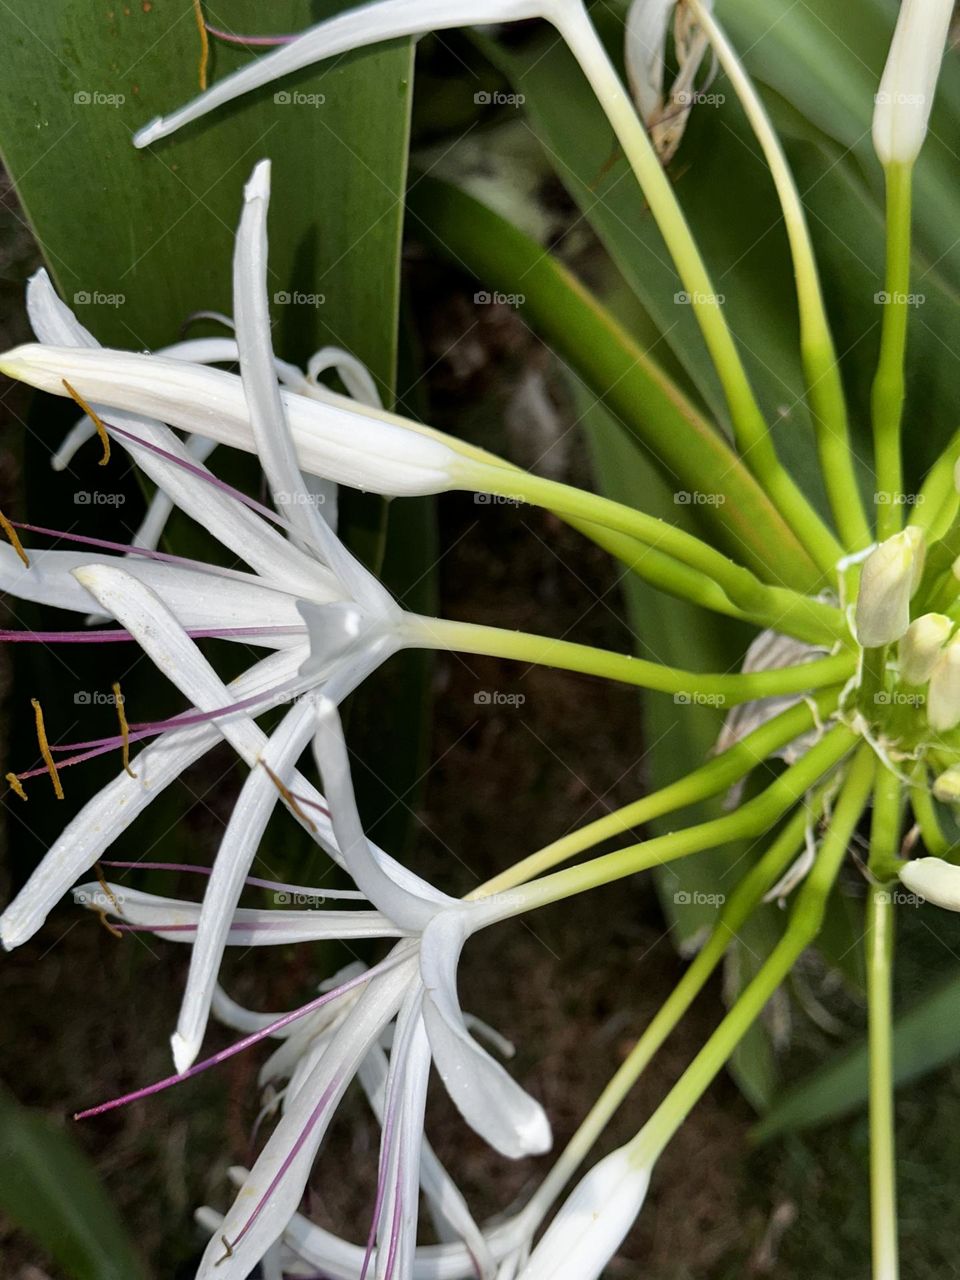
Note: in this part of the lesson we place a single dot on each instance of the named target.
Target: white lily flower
(417, 986)
(591, 1225)
(890, 576)
(909, 82)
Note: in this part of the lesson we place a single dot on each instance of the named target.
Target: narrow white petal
(251, 812)
(354, 374)
(355, 29)
(333, 761)
(488, 1098)
(345, 442)
(590, 1227)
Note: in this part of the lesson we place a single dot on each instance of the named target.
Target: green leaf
(148, 235)
(51, 1191)
(923, 1039)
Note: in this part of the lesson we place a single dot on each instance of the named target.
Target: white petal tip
(258, 185)
(150, 133)
(184, 1052)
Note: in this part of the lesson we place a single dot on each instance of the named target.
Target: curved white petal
(176, 920)
(591, 1225)
(355, 29)
(487, 1097)
(354, 374)
(345, 441)
(330, 749)
(113, 809)
(644, 49)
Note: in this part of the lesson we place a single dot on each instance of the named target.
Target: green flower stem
(710, 779)
(821, 367)
(737, 910)
(753, 437)
(878, 951)
(769, 606)
(634, 390)
(924, 810)
(937, 502)
(805, 922)
(688, 686)
(889, 383)
(750, 820)
(873, 675)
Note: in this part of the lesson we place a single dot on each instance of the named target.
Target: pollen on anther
(124, 727)
(204, 45)
(48, 759)
(16, 786)
(94, 418)
(14, 537)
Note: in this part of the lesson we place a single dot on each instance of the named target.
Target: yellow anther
(110, 927)
(45, 749)
(94, 418)
(229, 1251)
(107, 891)
(14, 537)
(124, 727)
(204, 44)
(16, 786)
(290, 798)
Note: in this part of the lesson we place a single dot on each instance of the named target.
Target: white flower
(416, 985)
(934, 880)
(890, 576)
(905, 97)
(591, 1225)
(943, 696)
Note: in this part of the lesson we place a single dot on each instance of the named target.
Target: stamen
(290, 798)
(124, 728)
(15, 542)
(45, 749)
(108, 924)
(204, 45)
(229, 1251)
(253, 41)
(16, 786)
(94, 418)
(108, 892)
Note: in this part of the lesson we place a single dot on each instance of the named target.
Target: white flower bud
(920, 646)
(909, 81)
(943, 698)
(891, 574)
(934, 880)
(590, 1227)
(946, 788)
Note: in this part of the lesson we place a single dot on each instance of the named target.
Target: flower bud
(934, 880)
(891, 574)
(590, 1227)
(943, 698)
(909, 81)
(946, 788)
(920, 646)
